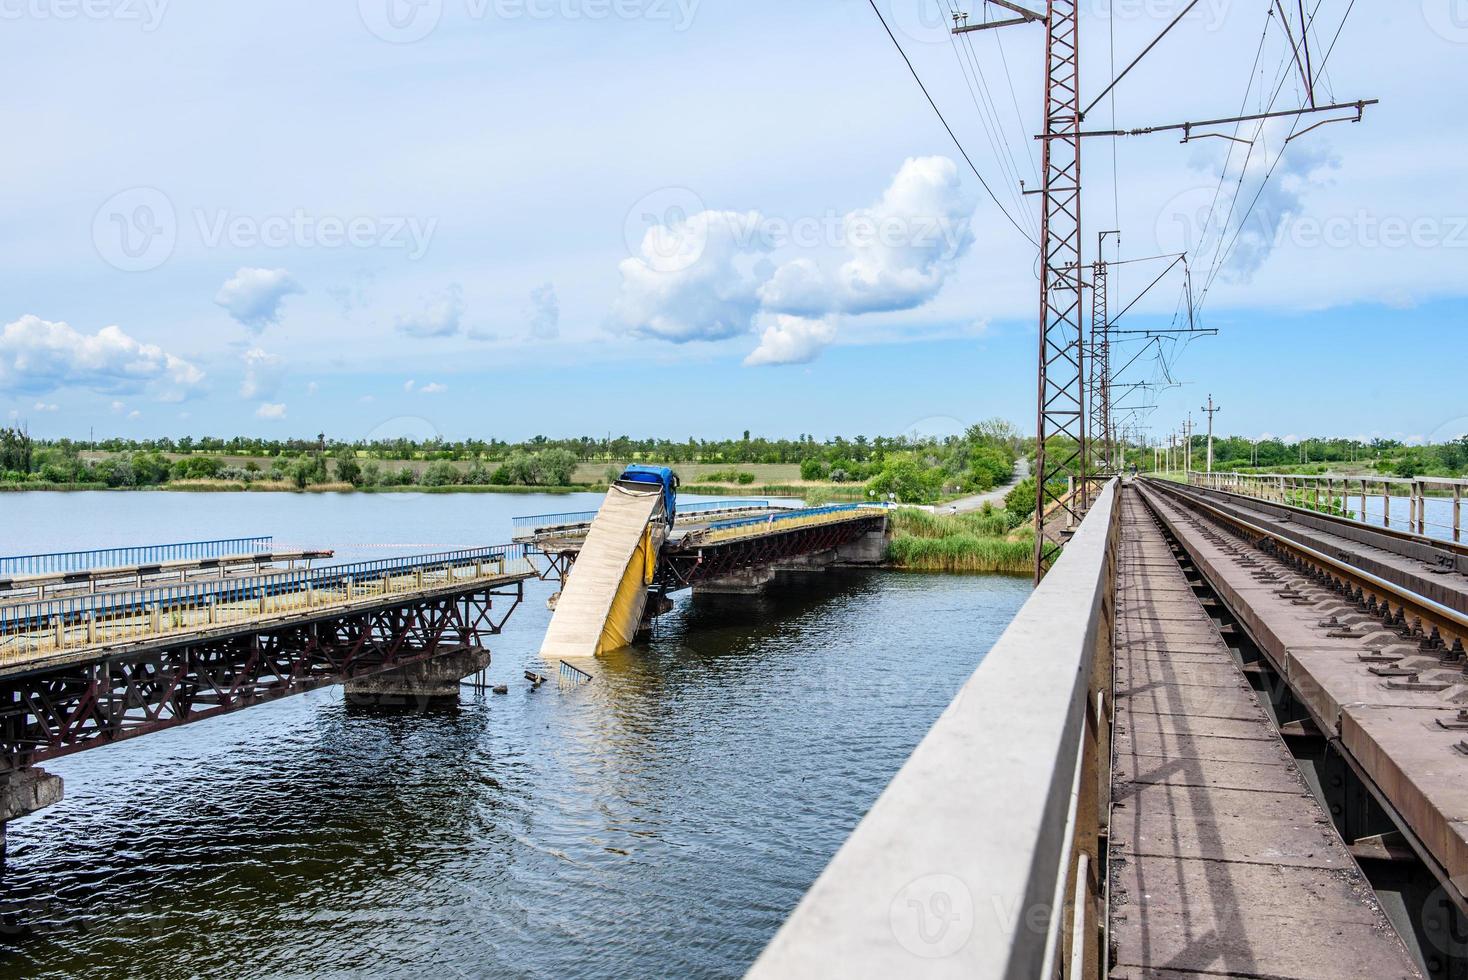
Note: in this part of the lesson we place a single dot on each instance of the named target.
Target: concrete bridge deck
(1211, 744)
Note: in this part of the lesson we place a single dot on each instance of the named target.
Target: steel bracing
(1060, 447)
(56, 709)
(1099, 397)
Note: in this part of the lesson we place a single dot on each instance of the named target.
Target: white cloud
(900, 251)
(262, 374)
(312, 388)
(694, 280)
(134, 415)
(409, 384)
(792, 340)
(442, 317)
(544, 312)
(274, 411)
(433, 388)
(253, 297)
(41, 355)
(46, 407)
(118, 408)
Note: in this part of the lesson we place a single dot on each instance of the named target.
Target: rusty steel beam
(59, 710)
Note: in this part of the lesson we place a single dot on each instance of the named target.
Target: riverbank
(985, 542)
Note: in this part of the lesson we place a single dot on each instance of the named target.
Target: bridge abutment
(869, 549)
(419, 685)
(22, 793)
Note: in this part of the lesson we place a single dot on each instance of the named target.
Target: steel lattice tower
(1100, 375)
(1060, 446)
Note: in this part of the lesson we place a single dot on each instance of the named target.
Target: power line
(951, 135)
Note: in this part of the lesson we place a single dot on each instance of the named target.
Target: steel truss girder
(73, 707)
(1061, 447)
(679, 570)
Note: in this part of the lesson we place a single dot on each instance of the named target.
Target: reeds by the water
(981, 541)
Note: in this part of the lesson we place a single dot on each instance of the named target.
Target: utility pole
(1212, 410)
(1188, 446)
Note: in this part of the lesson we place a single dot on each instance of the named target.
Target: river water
(661, 820)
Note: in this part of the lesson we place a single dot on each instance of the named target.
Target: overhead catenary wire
(951, 135)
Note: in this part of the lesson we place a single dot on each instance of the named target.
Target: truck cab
(637, 477)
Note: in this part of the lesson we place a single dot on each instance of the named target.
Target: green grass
(978, 542)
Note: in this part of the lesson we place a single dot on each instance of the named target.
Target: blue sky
(674, 217)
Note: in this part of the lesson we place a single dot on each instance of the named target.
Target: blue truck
(641, 477)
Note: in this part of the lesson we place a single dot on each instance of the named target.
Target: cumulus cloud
(899, 252)
(262, 374)
(544, 313)
(254, 296)
(708, 277)
(442, 317)
(433, 388)
(274, 411)
(695, 279)
(41, 355)
(792, 340)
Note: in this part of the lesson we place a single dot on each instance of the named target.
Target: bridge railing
(148, 554)
(1427, 505)
(786, 520)
(527, 527)
(971, 860)
(44, 626)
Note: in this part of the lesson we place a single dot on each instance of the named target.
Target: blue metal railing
(703, 506)
(45, 613)
(544, 522)
(541, 521)
(785, 515)
(147, 554)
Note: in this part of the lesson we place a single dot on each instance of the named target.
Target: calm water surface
(660, 821)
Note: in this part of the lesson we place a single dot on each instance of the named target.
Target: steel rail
(1443, 618)
(1409, 537)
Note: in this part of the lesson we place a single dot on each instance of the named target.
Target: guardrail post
(91, 627)
(155, 620)
(262, 606)
(1457, 512)
(211, 606)
(1386, 505)
(348, 590)
(60, 632)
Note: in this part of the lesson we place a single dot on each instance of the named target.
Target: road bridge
(628, 558)
(1225, 737)
(80, 671)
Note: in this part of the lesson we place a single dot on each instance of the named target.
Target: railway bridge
(1226, 736)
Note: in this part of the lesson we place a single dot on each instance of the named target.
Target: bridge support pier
(23, 792)
(419, 685)
(869, 549)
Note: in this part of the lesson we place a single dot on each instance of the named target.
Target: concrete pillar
(745, 581)
(869, 549)
(23, 792)
(419, 685)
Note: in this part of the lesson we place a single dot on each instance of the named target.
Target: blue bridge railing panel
(147, 554)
